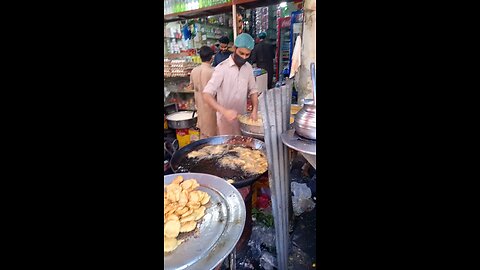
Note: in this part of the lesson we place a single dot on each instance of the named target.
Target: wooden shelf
(208, 11)
(220, 9)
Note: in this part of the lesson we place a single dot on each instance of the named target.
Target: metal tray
(303, 145)
(219, 230)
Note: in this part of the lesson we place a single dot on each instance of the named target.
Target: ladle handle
(312, 71)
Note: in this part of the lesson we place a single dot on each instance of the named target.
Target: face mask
(239, 60)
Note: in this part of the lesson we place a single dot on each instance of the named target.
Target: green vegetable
(265, 218)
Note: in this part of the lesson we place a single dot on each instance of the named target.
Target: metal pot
(251, 130)
(181, 124)
(305, 120)
(258, 132)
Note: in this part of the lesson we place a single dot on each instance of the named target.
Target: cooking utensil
(181, 124)
(170, 146)
(251, 130)
(181, 163)
(218, 231)
(305, 120)
(258, 132)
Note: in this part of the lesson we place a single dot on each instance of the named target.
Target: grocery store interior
(280, 223)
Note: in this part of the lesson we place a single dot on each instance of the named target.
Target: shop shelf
(208, 11)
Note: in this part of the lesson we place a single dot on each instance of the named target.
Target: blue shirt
(220, 57)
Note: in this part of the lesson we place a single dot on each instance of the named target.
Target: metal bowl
(250, 129)
(257, 132)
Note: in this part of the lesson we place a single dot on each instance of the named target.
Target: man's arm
(190, 86)
(205, 77)
(253, 94)
(254, 98)
(230, 115)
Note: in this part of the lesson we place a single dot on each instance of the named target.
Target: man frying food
(231, 83)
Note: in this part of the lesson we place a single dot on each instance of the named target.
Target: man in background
(224, 53)
(263, 55)
(231, 83)
(199, 77)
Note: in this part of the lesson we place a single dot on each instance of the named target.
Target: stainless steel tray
(292, 140)
(219, 230)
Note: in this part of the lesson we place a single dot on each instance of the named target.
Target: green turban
(262, 35)
(244, 40)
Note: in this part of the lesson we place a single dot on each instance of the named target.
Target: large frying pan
(180, 163)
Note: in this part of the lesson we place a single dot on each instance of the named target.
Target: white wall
(303, 81)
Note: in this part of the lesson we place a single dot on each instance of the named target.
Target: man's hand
(254, 115)
(230, 115)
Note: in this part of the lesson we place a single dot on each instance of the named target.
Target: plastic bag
(268, 261)
(298, 259)
(262, 238)
(301, 199)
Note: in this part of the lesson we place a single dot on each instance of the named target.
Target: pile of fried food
(183, 207)
(259, 122)
(249, 121)
(208, 151)
(247, 159)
